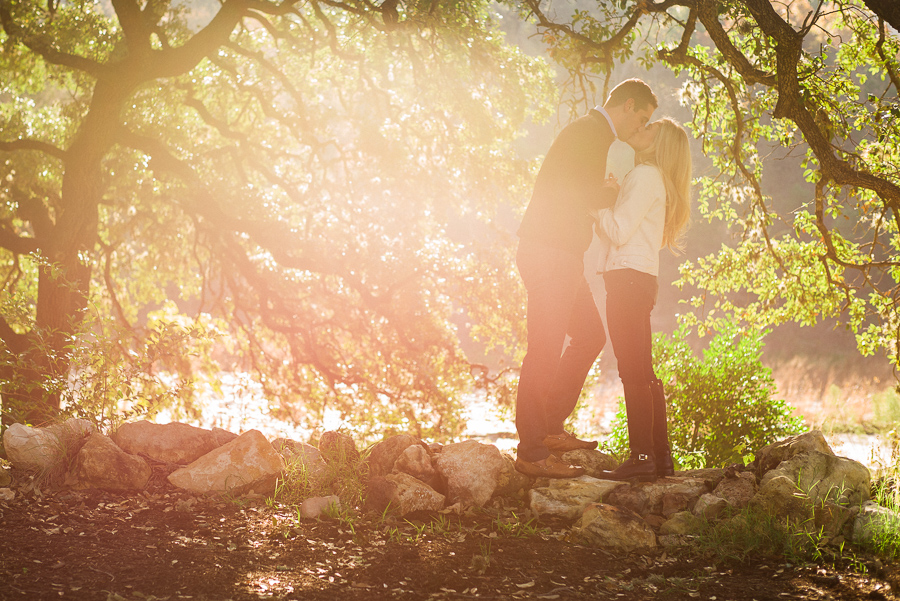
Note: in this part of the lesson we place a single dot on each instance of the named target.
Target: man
(555, 233)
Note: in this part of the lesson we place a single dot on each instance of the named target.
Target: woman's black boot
(662, 452)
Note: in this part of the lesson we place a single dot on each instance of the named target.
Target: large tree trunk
(33, 387)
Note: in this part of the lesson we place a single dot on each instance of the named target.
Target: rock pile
(799, 479)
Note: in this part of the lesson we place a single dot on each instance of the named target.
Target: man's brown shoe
(561, 443)
(552, 468)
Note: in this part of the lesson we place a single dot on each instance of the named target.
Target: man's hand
(612, 182)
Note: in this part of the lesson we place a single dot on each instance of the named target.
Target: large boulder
(769, 457)
(615, 528)
(825, 477)
(472, 471)
(568, 497)
(170, 443)
(43, 449)
(247, 463)
(102, 464)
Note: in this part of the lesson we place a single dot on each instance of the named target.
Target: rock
(769, 457)
(673, 494)
(672, 541)
(834, 520)
(401, 494)
(780, 496)
(381, 494)
(511, 481)
(314, 507)
(247, 463)
(415, 460)
(683, 522)
(592, 460)
(301, 457)
(337, 447)
(472, 471)
(677, 502)
(291, 449)
(613, 527)
(710, 506)
(654, 520)
(7, 494)
(568, 497)
(384, 455)
(825, 477)
(102, 464)
(665, 496)
(43, 449)
(737, 490)
(414, 495)
(712, 476)
(31, 449)
(632, 498)
(5, 477)
(169, 443)
(872, 520)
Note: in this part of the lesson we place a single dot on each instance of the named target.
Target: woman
(652, 211)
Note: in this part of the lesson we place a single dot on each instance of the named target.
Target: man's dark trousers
(560, 303)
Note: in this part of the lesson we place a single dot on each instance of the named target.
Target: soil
(164, 544)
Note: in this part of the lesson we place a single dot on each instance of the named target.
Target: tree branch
(790, 105)
(889, 10)
(708, 12)
(137, 35)
(30, 144)
(16, 244)
(171, 62)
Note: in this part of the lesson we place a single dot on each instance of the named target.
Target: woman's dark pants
(630, 297)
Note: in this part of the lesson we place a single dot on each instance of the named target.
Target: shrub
(720, 405)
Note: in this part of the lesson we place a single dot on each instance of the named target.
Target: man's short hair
(632, 88)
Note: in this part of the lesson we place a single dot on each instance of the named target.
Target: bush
(720, 406)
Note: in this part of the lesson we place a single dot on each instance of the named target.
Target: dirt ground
(163, 544)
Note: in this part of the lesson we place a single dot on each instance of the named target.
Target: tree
(317, 182)
(766, 81)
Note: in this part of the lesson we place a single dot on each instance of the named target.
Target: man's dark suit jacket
(569, 185)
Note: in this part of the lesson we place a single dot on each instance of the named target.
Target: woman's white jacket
(631, 232)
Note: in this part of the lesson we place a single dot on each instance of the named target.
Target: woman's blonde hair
(671, 153)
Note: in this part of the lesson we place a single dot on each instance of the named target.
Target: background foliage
(722, 406)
